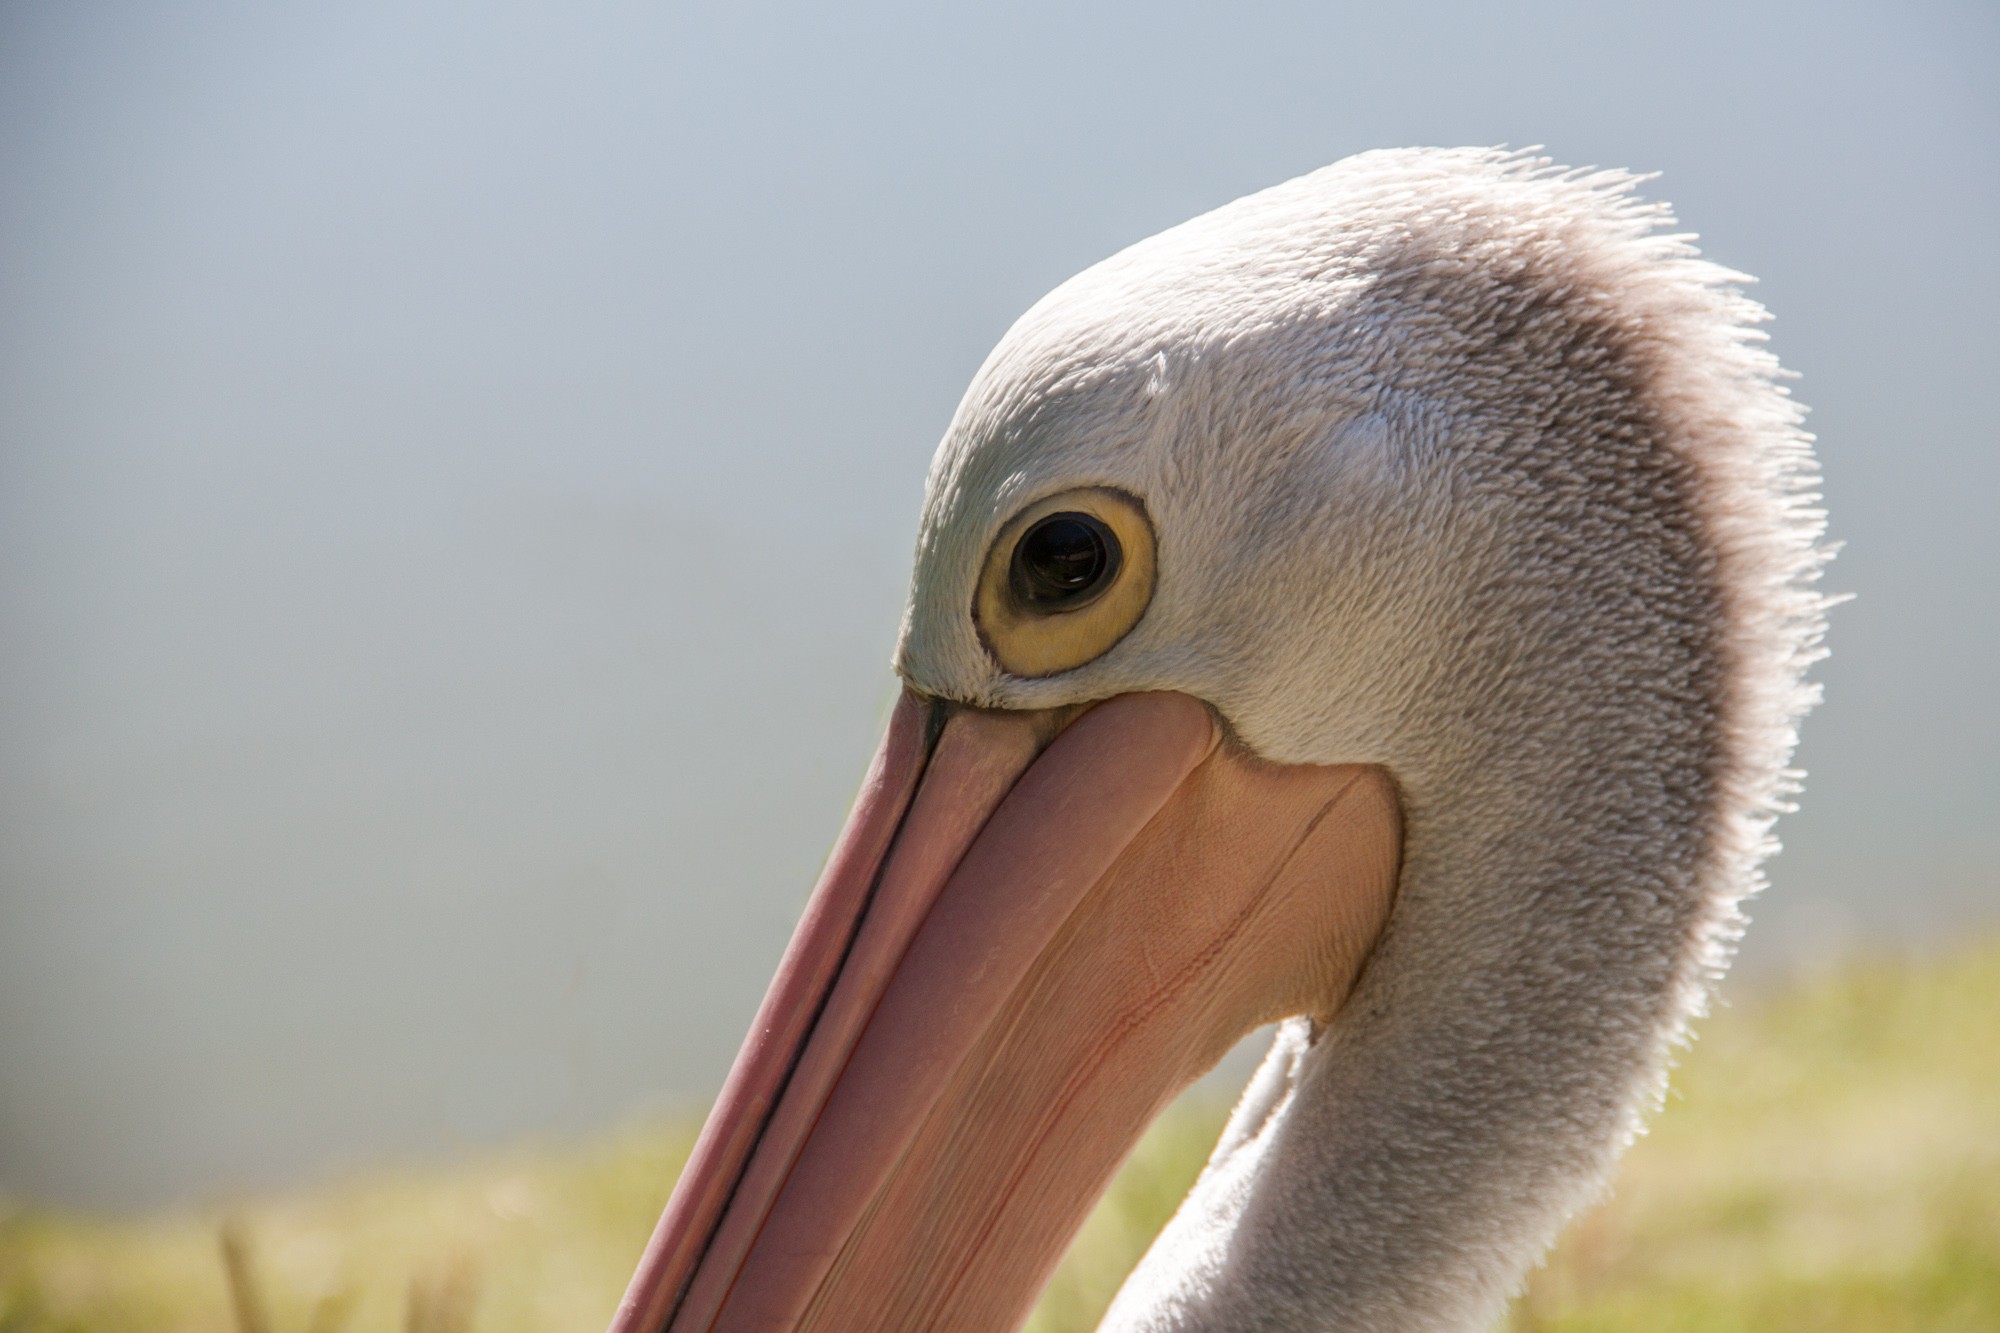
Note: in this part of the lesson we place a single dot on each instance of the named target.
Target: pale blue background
(460, 462)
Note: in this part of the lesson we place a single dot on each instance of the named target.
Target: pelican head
(1380, 607)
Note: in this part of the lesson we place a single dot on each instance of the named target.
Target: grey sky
(458, 465)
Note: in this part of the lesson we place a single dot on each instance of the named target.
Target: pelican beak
(1035, 929)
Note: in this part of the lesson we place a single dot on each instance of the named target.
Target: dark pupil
(1063, 559)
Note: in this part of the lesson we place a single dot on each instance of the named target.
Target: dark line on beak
(937, 713)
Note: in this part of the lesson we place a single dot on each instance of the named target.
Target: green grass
(1829, 1161)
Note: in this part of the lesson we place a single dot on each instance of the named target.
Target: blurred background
(458, 467)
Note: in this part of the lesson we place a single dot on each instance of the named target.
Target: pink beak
(1034, 931)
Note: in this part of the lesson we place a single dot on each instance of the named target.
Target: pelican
(1378, 607)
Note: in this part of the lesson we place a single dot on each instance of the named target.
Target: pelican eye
(1064, 561)
(1067, 577)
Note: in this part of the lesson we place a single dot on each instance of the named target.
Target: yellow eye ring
(1068, 577)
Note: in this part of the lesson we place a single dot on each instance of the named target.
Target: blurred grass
(1829, 1161)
